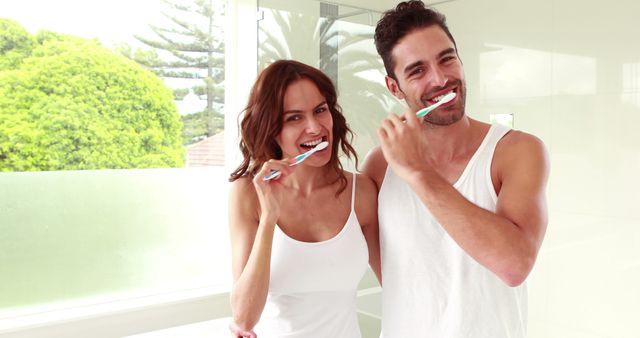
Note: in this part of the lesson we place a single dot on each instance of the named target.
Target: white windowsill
(104, 318)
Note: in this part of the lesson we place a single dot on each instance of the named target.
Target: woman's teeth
(312, 143)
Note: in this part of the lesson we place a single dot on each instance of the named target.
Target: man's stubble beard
(436, 120)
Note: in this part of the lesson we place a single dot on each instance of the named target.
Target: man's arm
(507, 241)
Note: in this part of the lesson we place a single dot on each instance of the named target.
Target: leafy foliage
(180, 93)
(15, 44)
(197, 125)
(194, 49)
(69, 103)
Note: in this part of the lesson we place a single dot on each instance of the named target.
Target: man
(462, 206)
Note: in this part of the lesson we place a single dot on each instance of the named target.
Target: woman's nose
(313, 125)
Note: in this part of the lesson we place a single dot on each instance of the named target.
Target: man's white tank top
(431, 287)
(313, 285)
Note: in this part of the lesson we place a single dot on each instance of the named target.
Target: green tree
(72, 104)
(195, 49)
(15, 44)
(196, 126)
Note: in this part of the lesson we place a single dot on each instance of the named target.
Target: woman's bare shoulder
(242, 195)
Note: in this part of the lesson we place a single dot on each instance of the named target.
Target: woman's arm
(250, 255)
(254, 208)
(367, 211)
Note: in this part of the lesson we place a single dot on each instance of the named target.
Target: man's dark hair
(397, 23)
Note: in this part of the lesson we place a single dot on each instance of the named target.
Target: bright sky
(108, 20)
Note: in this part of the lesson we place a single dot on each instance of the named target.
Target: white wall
(569, 71)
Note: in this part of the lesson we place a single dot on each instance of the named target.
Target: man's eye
(448, 58)
(415, 72)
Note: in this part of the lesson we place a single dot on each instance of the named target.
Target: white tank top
(431, 287)
(313, 285)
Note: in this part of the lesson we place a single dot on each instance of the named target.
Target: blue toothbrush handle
(273, 174)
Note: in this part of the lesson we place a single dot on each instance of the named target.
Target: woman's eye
(292, 118)
(321, 110)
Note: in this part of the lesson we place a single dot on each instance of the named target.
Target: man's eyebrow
(418, 63)
(446, 51)
(410, 67)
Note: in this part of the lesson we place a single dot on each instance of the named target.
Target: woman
(300, 242)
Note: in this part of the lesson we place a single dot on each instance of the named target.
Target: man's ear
(393, 87)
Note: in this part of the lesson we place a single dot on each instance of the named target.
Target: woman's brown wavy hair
(262, 118)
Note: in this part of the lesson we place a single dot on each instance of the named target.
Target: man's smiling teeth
(438, 98)
(312, 143)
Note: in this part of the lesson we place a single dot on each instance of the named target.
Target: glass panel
(77, 237)
(338, 40)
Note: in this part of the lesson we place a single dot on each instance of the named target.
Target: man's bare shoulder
(522, 150)
(375, 166)
(517, 141)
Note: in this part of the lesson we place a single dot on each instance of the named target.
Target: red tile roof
(208, 152)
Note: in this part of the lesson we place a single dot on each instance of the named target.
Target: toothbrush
(299, 159)
(424, 111)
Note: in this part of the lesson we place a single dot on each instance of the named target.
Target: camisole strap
(353, 193)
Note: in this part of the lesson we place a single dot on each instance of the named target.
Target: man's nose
(437, 78)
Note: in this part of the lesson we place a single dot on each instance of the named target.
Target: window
(87, 87)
